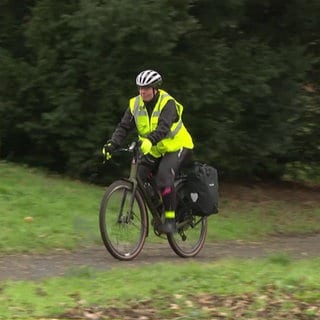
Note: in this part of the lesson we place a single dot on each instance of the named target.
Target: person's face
(146, 93)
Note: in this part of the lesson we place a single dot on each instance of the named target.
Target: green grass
(65, 213)
(164, 285)
(256, 222)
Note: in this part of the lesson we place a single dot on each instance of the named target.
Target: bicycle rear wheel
(123, 220)
(192, 230)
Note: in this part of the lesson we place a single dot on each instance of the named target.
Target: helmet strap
(155, 91)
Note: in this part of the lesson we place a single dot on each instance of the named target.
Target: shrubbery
(246, 72)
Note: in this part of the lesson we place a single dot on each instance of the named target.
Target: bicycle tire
(192, 230)
(123, 231)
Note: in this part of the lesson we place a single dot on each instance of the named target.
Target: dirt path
(60, 262)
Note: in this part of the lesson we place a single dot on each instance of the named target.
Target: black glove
(108, 149)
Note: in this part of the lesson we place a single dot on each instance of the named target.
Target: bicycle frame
(138, 185)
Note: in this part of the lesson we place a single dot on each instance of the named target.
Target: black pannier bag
(203, 187)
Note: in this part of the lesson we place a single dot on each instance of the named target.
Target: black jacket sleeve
(123, 128)
(167, 117)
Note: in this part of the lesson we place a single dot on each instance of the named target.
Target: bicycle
(124, 220)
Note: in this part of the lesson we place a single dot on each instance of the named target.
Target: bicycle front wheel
(123, 220)
(192, 230)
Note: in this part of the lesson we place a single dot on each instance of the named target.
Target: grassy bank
(62, 213)
(39, 212)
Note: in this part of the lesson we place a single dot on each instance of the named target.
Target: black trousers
(164, 170)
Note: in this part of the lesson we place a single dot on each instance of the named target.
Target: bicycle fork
(126, 217)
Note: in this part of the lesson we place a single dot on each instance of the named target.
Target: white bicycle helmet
(149, 78)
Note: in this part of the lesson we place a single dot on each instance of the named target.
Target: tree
(239, 67)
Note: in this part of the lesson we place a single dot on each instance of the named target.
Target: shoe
(169, 226)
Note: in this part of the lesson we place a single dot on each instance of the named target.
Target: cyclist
(165, 142)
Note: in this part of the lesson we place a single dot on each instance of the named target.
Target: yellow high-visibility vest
(177, 138)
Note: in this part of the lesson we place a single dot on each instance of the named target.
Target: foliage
(245, 70)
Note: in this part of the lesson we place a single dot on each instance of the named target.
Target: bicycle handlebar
(132, 146)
